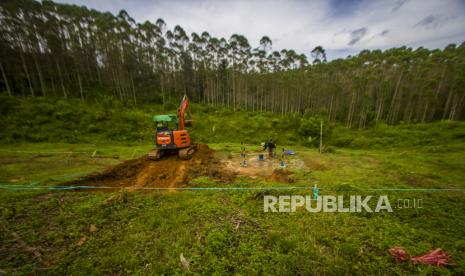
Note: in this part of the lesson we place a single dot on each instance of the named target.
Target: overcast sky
(342, 27)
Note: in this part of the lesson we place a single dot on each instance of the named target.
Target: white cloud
(302, 25)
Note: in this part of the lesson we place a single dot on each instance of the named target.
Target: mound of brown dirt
(168, 172)
(281, 176)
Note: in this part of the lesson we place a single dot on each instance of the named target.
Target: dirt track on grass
(169, 172)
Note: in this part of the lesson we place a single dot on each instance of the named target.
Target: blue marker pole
(315, 192)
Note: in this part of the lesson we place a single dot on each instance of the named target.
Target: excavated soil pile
(168, 172)
(281, 176)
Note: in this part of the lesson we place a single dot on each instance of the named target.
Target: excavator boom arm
(182, 111)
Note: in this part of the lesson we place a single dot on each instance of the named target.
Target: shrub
(309, 131)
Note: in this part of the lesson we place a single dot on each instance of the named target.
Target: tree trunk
(351, 111)
(80, 86)
(330, 108)
(5, 80)
(390, 116)
(447, 105)
(424, 113)
(133, 90)
(39, 72)
(28, 77)
(61, 81)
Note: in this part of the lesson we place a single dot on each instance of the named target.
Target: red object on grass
(399, 254)
(435, 257)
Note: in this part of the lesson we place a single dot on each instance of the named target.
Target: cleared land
(146, 232)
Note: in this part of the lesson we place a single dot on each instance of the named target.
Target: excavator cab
(164, 127)
(171, 135)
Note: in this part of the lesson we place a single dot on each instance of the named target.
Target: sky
(341, 27)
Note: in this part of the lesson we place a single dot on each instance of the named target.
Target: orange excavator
(171, 136)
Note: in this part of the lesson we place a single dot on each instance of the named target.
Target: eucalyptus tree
(49, 49)
(318, 54)
(233, 56)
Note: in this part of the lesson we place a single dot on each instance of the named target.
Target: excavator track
(155, 154)
(187, 153)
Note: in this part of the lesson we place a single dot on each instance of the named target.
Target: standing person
(271, 146)
(243, 151)
(243, 155)
(282, 162)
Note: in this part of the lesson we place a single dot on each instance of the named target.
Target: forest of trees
(59, 50)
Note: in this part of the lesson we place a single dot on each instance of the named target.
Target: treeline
(70, 120)
(59, 50)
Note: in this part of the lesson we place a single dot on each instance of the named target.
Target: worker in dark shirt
(271, 146)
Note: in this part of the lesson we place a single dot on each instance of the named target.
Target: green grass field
(224, 232)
